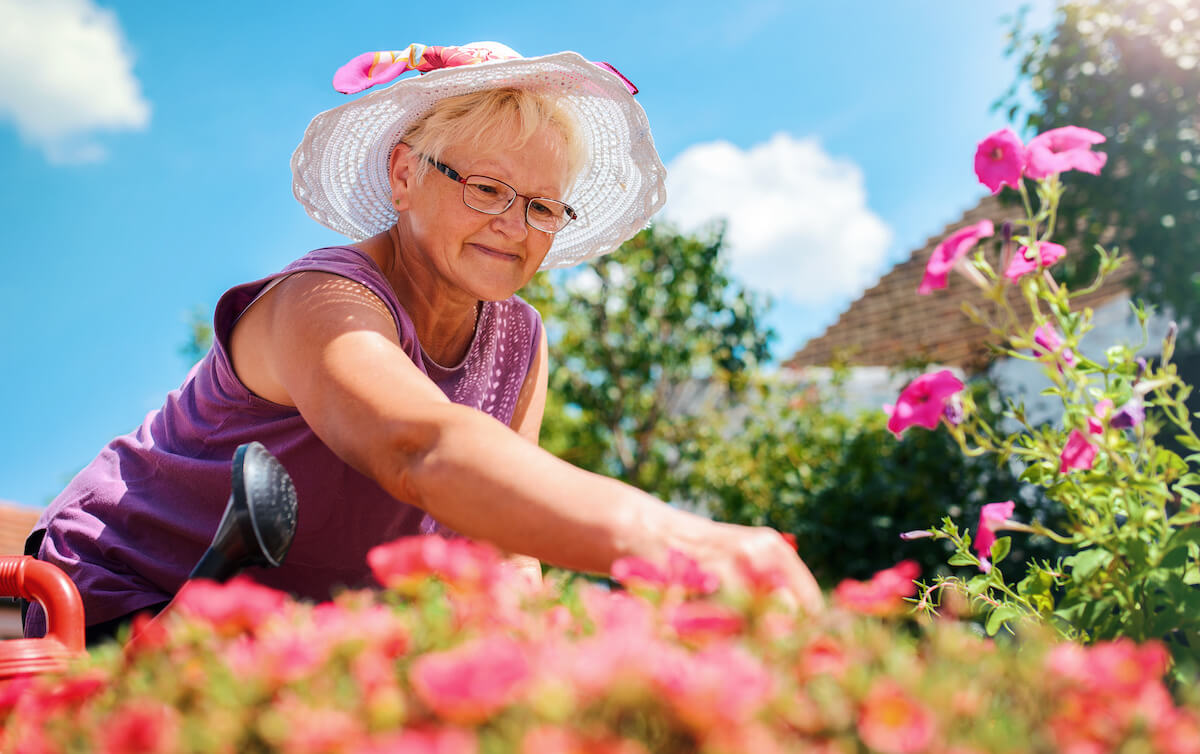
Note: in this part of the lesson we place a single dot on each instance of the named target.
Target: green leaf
(1188, 442)
(962, 559)
(1001, 548)
(998, 617)
(1085, 564)
(1176, 558)
(978, 584)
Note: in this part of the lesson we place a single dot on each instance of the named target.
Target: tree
(641, 340)
(1129, 69)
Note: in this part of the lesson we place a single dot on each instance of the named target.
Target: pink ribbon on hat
(371, 68)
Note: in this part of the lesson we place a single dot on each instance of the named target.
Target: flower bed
(459, 654)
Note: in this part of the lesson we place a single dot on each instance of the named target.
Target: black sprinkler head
(259, 522)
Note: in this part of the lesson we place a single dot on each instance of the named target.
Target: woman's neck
(445, 318)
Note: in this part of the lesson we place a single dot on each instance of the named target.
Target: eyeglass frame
(454, 175)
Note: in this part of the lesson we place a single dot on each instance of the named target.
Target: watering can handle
(27, 577)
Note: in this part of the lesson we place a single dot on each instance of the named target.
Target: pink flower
(893, 721)
(238, 606)
(1048, 340)
(720, 686)
(469, 683)
(681, 571)
(1063, 149)
(702, 622)
(1078, 453)
(461, 563)
(1099, 415)
(823, 655)
(949, 252)
(884, 594)
(1120, 666)
(140, 726)
(1000, 159)
(1026, 261)
(991, 518)
(923, 402)
(422, 740)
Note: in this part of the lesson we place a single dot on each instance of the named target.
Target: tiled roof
(890, 324)
(16, 521)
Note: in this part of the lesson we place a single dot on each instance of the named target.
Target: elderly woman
(398, 379)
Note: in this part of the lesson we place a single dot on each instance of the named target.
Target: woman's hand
(761, 559)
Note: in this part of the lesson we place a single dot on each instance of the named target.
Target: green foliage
(842, 483)
(639, 339)
(1130, 70)
(200, 336)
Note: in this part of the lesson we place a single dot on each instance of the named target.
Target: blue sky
(144, 149)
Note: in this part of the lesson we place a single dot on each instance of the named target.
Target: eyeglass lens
(494, 197)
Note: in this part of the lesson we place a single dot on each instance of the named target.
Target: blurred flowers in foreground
(470, 659)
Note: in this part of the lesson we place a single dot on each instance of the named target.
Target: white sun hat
(340, 169)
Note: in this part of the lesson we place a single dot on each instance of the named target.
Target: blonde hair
(492, 119)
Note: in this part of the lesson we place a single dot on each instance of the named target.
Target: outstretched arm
(329, 347)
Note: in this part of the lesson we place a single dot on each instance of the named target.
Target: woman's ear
(400, 175)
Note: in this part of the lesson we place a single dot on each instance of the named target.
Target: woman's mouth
(496, 253)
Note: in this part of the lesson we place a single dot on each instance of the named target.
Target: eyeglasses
(494, 197)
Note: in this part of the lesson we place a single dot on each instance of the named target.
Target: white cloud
(65, 73)
(798, 222)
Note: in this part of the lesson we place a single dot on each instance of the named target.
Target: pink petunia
(991, 517)
(923, 402)
(463, 564)
(894, 721)
(1000, 159)
(1099, 416)
(140, 726)
(681, 571)
(949, 252)
(468, 684)
(884, 594)
(1063, 149)
(1079, 453)
(238, 606)
(1025, 260)
(702, 622)
(1047, 340)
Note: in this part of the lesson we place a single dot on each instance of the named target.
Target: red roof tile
(16, 522)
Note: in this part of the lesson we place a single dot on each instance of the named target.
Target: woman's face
(489, 257)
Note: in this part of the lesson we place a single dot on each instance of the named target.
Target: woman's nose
(511, 221)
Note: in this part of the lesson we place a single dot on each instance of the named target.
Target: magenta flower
(1063, 149)
(1000, 159)
(1026, 260)
(1051, 342)
(949, 252)
(923, 402)
(991, 518)
(1079, 453)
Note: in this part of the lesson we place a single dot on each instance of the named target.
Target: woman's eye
(541, 209)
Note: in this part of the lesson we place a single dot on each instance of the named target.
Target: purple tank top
(130, 526)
